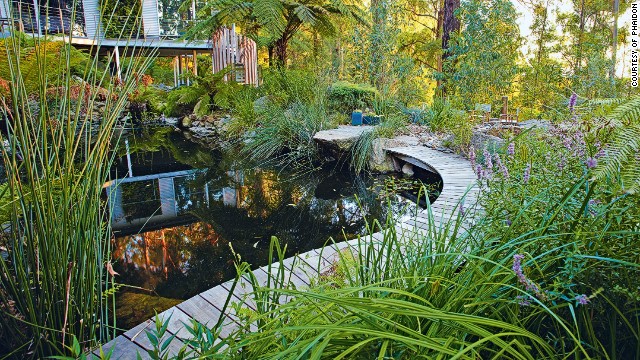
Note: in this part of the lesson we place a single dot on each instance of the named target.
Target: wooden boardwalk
(206, 308)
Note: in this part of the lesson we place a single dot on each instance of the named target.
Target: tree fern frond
(270, 14)
(305, 14)
(631, 178)
(607, 101)
(628, 112)
(202, 107)
(325, 26)
(190, 95)
(621, 157)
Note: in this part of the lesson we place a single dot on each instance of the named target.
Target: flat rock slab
(342, 137)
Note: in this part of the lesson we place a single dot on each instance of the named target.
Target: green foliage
(55, 286)
(482, 65)
(345, 97)
(54, 69)
(278, 20)
(621, 155)
(544, 189)
(195, 98)
(361, 151)
(441, 116)
(121, 18)
(285, 135)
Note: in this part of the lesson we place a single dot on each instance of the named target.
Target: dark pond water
(178, 207)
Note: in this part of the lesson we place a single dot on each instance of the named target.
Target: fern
(628, 112)
(202, 106)
(622, 155)
(270, 14)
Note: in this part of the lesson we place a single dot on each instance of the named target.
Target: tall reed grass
(56, 288)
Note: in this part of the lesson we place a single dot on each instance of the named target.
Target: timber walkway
(458, 181)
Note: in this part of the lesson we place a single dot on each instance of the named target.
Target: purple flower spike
(472, 155)
(527, 174)
(591, 163)
(572, 102)
(479, 171)
(511, 149)
(487, 159)
(523, 301)
(582, 299)
(500, 165)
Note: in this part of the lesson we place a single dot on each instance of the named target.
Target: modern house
(157, 28)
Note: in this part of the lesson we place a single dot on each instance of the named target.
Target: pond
(179, 207)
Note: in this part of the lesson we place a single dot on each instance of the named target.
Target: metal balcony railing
(46, 19)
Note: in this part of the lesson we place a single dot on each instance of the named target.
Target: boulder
(407, 169)
(480, 140)
(187, 121)
(340, 139)
(380, 161)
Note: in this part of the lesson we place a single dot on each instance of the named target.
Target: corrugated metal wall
(150, 19)
(4, 8)
(93, 27)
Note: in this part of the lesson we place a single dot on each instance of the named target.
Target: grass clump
(56, 292)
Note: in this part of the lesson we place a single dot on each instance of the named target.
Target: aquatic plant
(56, 288)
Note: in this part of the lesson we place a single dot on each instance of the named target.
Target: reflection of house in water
(148, 202)
(154, 201)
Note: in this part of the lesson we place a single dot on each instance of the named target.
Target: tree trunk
(270, 50)
(280, 50)
(578, 63)
(541, 39)
(614, 45)
(450, 24)
(378, 11)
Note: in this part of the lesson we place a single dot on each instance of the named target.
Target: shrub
(345, 97)
(46, 58)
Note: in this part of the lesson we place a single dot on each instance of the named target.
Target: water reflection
(173, 228)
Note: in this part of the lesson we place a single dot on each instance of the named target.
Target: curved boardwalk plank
(206, 308)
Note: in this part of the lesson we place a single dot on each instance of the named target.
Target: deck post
(195, 63)
(175, 71)
(180, 72)
(116, 52)
(505, 105)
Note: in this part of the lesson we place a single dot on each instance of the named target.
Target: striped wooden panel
(229, 48)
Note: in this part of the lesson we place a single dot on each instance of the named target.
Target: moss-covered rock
(134, 308)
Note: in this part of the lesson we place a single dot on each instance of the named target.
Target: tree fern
(270, 15)
(274, 22)
(622, 155)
